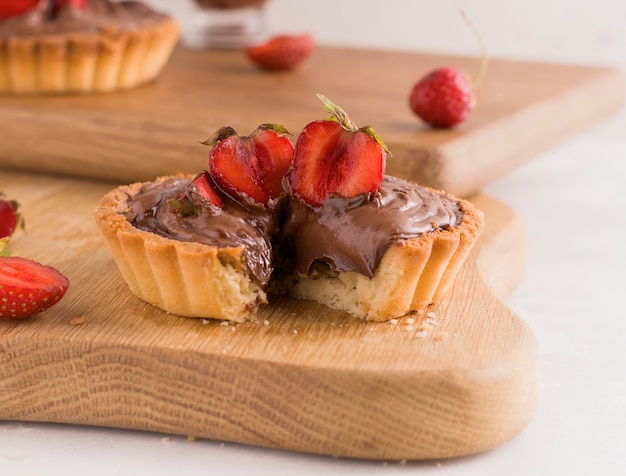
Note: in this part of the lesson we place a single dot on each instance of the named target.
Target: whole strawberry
(28, 287)
(10, 218)
(443, 98)
(11, 8)
(250, 166)
(335, 157)
(282, 52)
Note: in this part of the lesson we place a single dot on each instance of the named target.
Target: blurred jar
(221, 23)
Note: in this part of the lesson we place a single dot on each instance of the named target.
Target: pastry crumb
(191, 438)
(408, 328)
(421, 334)
(266, 322)
(224, 323)
(410, 320)
(206, 321)
(77, 321)
(431, 314)
(393, 322)
(166, 439)
(441, 336)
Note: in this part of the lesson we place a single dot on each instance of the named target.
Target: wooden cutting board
(460, 380)
(523, 109)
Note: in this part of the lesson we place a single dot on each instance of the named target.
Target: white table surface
(573, 200)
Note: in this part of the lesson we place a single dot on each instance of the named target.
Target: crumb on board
(77, 321)
(191, 438)
(439, 336)
(224, 323)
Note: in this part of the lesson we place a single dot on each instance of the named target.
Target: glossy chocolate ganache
(353, 234)
(345, 234)
(96, 16)
(246, 224)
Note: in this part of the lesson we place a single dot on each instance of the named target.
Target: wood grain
(523, 109)
(301, 378)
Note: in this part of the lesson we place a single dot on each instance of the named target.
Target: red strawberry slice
(253, 165)
(283, 52)
(11, 8)
(10, 218)
(202, 188)
(334, 157)
(28, 287)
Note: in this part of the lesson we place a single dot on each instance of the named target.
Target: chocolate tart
(103, 47)
(377, 257)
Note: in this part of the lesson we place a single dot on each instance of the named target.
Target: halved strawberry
(252, 165)
(11, 8)
(10, 218)
(201, 187)
(282, 52)
(28, 287)
(335, 157)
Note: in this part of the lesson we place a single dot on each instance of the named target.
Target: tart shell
(86, 62)
(184, 278)
(412, 274)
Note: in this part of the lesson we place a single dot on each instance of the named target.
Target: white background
(573, 201)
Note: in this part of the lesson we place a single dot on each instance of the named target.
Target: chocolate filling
(248, 225)
(97, 16)
(353, 234)
(345, 234)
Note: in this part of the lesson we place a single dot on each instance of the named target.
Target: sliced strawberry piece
(202, 188)
(28, 287)
(11, 8)
(282, 52)
(10, 218)
(252, 166)
(334, 157)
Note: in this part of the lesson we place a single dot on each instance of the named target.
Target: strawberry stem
(338, 114)
(219, 135)
(278, 128)
(3, 243)
(483, 50)
(341, 116)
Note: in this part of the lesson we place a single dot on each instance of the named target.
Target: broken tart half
(318, 220)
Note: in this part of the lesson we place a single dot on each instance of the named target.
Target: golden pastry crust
(411, 275)
(86, 62)
(188, 279)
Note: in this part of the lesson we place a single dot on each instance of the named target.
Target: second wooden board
(523, 109)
